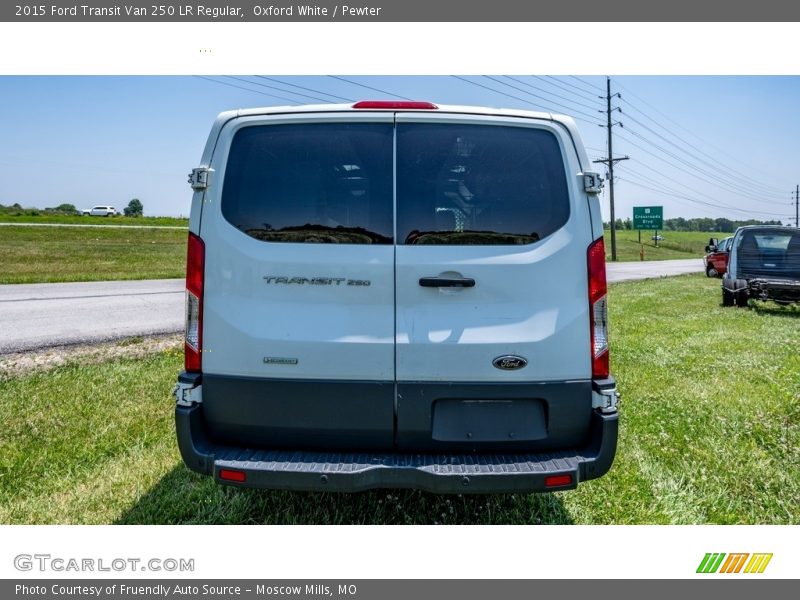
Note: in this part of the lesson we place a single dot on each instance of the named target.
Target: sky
(700, 146)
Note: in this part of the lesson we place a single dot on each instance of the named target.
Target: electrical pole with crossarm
(611, 161)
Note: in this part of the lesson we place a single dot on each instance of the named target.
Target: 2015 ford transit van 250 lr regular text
(396, 294)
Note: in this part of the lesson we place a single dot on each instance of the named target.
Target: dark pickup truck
(764, 264)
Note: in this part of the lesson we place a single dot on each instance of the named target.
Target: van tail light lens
(557, 480)
(233, 475)
(395, 104)
(193, 339)
(598, 308)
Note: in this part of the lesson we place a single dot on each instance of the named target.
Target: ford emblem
(509, 363)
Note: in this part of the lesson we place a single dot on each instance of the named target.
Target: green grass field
(710, 430)
(50, 254)
(53, 254)
(676, 244)
(43, 217)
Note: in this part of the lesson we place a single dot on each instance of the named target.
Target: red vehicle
(716, 259)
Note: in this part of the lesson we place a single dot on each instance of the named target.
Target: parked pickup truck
(716, 258)
(764, 264)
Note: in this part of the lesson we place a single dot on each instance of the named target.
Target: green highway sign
(648, 217)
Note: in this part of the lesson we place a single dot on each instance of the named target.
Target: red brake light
(598, 309)
(195, 269)
(395, 104)
(597, 270)
(232, 475)
(557, 480)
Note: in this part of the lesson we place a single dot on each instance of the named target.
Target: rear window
(311, 183)
(478, 184)
(769, 254)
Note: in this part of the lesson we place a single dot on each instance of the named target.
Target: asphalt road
(629, 271)
(41, 315)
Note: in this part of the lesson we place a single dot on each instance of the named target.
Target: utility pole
(610, 161)
(797, 206)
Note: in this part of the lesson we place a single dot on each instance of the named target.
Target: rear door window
(311, 183)
(460, 184)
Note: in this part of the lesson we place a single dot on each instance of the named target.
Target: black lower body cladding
(446, 438)
(361, 415)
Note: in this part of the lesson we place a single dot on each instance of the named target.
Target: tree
(67, 209)
(134, 208)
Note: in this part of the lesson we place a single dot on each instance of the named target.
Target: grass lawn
(50, 254)
(710, 429)
(42, 217)
(676, 244)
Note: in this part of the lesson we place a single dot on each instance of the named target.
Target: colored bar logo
(734, 563)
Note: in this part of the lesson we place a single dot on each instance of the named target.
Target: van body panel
(332, 330)
(528, 300)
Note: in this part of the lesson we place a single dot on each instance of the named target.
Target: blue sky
(700, 146)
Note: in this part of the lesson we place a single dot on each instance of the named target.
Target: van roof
(448, 108)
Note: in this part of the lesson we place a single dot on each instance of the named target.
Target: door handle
(459, 282)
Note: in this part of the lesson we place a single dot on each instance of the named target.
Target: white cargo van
(396, 294)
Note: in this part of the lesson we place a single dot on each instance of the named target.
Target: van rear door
(298, 332)
(492, 313)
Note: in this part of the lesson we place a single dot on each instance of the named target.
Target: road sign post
(650, 218)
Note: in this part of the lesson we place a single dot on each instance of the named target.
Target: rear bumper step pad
(439, 473)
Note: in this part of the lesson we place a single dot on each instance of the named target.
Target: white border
(408, 552)
(398, 48)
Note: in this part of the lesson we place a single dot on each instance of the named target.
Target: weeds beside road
(676, 244)
(710, 428)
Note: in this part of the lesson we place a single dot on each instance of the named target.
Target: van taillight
(193, 340)
(395, 104)
(598, 308)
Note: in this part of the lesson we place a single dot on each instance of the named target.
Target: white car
(100, 211)
(396, 294)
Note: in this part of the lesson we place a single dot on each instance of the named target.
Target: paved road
(629, 271)
(39, 315)
(34, 316)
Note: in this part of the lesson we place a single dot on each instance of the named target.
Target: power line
(300, 87)
(692, 133)
(695, 201)
(719, 181)
(523, 100)
(567, 86)
(368, 87)
(705, 162)
(541, 98)
(272, 87)
(486, 87)
(584, 82)
(246, 89)
(675, 181)
(590, 107)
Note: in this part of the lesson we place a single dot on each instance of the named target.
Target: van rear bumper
(439, 473)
